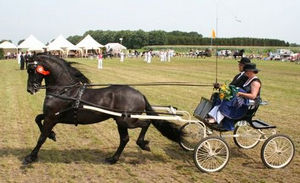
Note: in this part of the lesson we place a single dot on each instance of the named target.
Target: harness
(77, 102)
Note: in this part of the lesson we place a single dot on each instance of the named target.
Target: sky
(47, 19)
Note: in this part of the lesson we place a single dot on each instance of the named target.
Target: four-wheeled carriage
(212, 153)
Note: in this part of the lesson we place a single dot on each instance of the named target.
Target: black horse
(67, 91)
(205, 53)
(238, 53)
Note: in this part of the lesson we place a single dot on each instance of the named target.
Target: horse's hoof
(111, 160)
(146, 148)
(52, 136)
(144, 145)
(29, 159)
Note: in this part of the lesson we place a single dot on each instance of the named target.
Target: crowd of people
(23, 59)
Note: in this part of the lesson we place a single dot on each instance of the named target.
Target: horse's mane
(74, 72)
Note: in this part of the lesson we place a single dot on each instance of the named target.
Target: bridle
(39, 69)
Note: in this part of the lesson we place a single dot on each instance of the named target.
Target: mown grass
(79, 153)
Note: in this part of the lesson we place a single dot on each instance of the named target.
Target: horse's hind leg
(144, 144)
(48, 126)
(38, 120)
(124, 138)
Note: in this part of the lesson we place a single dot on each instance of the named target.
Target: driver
(240, 78)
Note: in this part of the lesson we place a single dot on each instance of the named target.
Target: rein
(135, 84)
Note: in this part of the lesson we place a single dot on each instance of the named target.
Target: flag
(213, 34)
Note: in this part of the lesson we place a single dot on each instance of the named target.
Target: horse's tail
(166, 128)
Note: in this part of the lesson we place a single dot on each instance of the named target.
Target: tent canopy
(115, 46)
(89, 43)
(7, 45)
(32, 44)
(54, 48)
(61, 42)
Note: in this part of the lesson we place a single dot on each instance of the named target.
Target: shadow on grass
(93, 156)
(248, 161)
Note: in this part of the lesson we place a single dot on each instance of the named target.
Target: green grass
(79, 153)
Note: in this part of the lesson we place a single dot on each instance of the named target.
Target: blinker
(40, 69)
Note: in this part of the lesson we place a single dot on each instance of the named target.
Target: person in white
(146, 56)
(161, 54)
(100, 58)
(122, 56)
(169, 55)
(149, 57)
(19, 57)
(165, 56)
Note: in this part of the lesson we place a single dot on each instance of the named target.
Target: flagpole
(216, 43)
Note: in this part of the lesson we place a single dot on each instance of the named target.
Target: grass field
(79, 153)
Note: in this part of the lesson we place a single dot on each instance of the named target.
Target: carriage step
(259, 124)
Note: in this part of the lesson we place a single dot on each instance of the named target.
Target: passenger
(237, 107)
(240, 78)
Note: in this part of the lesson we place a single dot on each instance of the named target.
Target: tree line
(138, 39)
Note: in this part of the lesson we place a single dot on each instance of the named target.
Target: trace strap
(77, 102)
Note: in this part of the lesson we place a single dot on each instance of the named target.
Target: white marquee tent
(89, 43)
(32, 44)
(8, 47)
(62, 44)
(116, 47)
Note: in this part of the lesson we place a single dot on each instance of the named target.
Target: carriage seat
(257, 124)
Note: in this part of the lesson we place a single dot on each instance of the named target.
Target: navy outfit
(237, 107)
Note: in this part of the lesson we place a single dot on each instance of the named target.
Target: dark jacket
(239, 80)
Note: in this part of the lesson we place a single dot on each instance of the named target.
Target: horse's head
(36, 73)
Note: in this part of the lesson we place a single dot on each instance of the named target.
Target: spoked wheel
(277, 151)
(211, 154)
(246, 137)
(191, 134)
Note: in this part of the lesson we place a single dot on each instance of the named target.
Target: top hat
(244, 60)
(251, 67)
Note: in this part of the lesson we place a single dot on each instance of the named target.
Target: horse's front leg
(38, 120)
(47, 128)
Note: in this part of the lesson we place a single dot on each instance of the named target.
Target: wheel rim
(278, 152)
(193, 133)
(248, 136)
(212, 155)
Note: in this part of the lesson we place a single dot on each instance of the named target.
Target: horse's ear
(40, 69)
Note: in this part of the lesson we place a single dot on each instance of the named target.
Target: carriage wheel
(246, 137)
(191, 134)
(211, 154)
(277, 151)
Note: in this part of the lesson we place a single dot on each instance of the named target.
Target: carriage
(212, 153)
